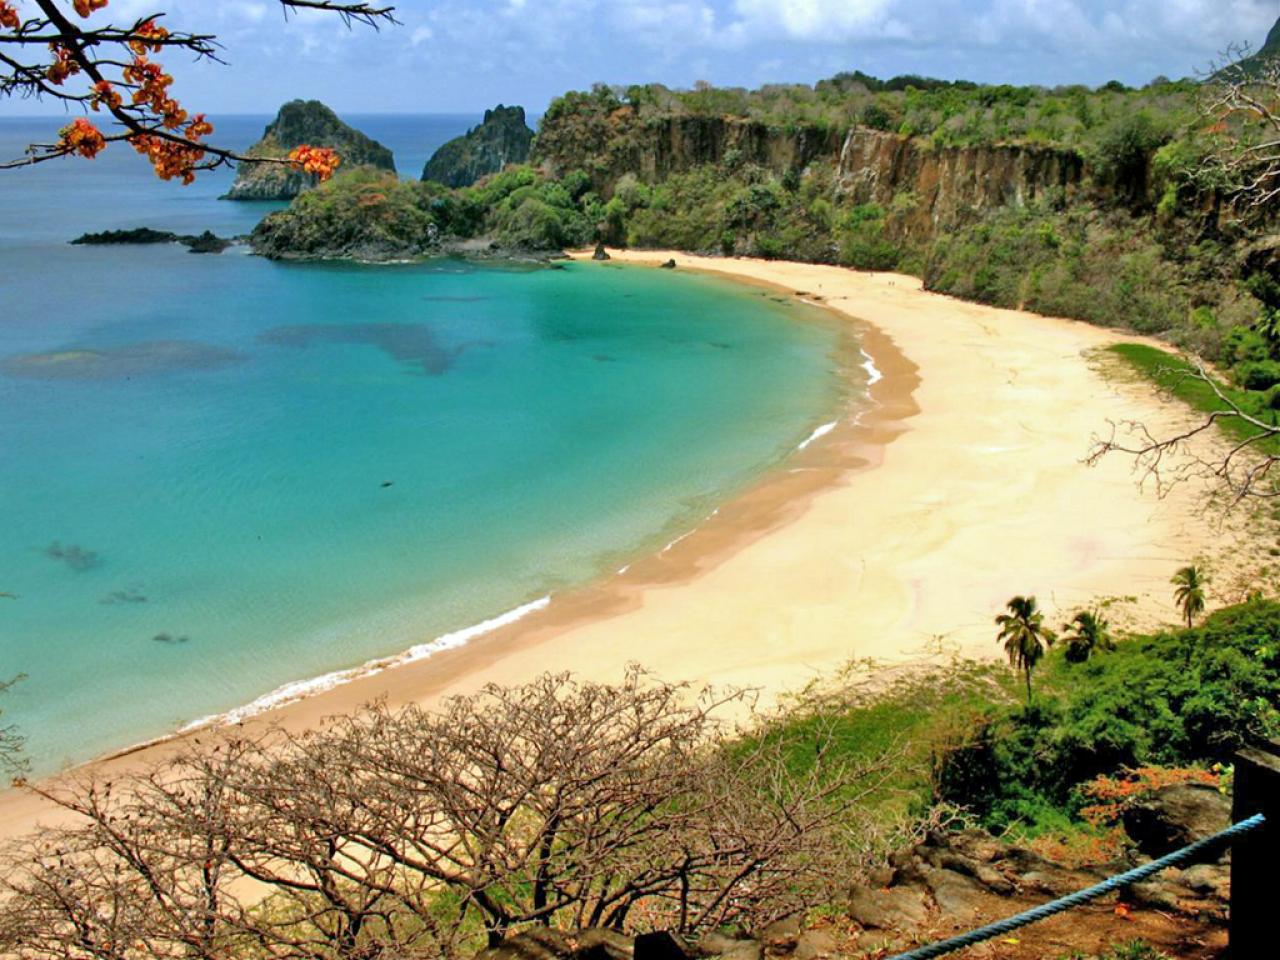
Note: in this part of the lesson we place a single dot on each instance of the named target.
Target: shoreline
(668, 603)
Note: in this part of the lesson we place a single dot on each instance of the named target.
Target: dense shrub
(1173, 699)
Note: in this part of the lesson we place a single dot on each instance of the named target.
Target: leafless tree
(66, 51)
(556, 802)
(1242, 470)
(1241, 113)
(12, 760)
(1241, 103)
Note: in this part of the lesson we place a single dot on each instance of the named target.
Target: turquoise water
(219, 475)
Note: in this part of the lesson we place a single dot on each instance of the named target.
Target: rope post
(1254, 861)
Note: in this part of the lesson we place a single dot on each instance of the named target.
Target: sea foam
(301, 689)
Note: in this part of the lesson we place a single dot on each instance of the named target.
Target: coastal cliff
(503, 138)
(303, 122)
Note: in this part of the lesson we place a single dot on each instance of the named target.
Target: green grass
(1176, 376)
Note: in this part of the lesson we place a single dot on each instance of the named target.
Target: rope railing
(1071, 901)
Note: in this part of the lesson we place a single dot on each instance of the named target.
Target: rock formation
(502, 138)
(299, 122)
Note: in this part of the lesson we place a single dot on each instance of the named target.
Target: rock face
(299, 122)
(948, 184)
(502, 138)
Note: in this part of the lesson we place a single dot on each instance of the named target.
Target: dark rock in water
(122, 596)
(669, 265)
(601, 253)
(1176, 816)
(299, 122)
(502, 138)
(206, 242)
(120, 363)
(73, 555)
(137, 235)
(170, 638)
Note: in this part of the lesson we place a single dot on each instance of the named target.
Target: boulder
(299, 122)
(669, 265)
(1175, 816)
(502, 138)
(730, 948)
(601, 253)
(958, 897)
(898, 908)
(816, 945)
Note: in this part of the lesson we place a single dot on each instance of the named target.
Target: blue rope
(1083, 896)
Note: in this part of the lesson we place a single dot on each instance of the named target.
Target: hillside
(303, 122)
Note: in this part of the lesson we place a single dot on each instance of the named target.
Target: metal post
(1255, 860)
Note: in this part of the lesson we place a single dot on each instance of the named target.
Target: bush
(1257, 374)
(1173, 699)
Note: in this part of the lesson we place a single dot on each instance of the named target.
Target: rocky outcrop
(949, 883)
(303, 122)
(1175, 816)
(949, 184)
(503, 138)
(945, 184)
(206, 242)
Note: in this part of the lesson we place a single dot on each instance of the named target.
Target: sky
(461, 56)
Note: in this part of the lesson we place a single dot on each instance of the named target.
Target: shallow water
(219, 475)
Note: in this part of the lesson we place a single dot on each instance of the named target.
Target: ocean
(222, 478)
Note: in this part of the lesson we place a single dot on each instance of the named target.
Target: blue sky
(455, 56)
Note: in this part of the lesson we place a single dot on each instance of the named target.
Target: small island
(206, 242)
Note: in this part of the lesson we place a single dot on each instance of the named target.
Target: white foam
(819, 433)
(874, 375)
(301, 689)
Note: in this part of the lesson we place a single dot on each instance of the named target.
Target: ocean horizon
(228, 482)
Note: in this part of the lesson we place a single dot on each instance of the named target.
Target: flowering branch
(110, 69)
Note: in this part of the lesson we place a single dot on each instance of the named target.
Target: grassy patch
(1176, 376)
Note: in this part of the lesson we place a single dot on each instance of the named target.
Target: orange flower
(63, 65)
(319, 162)
(199, 127)
(86, 7)
(9, 18)
(82, 137)
(169, 159)
(104, 93)
(148, 31)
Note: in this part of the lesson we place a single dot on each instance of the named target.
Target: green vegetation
(1176, 375)
(367, 214)
(1184, 697)
(947, 113)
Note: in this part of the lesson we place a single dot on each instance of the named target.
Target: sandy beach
(962, 486)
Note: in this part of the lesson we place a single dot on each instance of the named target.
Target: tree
(1024, 635)
(1240, 129)
(12, 761)
(1242, 104)
(1189, 596)
(1242, 471)
(108, 68)
(1086, 634)
(413, 832)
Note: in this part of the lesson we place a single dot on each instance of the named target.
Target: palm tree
(1189, 595)
(1024, 635)
(1087, 633)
